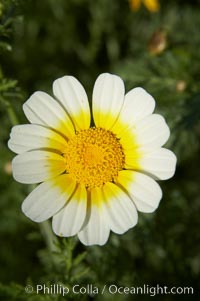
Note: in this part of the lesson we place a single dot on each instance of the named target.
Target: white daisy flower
(92, 179)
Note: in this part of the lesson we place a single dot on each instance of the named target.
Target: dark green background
(42, 40)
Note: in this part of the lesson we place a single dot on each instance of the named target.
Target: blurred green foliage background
(43, 40)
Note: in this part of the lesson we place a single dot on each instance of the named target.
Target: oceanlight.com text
(113, 289)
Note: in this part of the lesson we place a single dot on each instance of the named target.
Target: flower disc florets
(94, 157)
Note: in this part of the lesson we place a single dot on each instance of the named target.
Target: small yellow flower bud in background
(8, 168)
(158, 42)
(152, 5)
(135, 4)
(180, 86)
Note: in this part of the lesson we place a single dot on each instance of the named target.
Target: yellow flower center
(94, 157)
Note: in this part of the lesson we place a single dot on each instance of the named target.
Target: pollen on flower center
(94, 157)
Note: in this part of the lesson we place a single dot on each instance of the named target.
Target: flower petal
(37, 166)
(159, 163)
(137, 105)
(73, 97)
(107, 100)
(95, 231)
(42, 109)
(69, 220)
(121, 214)
(48, 198)
(144, 191)
(30, 136)
(148, 134)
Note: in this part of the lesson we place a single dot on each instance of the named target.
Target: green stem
(48, 235)
(51, 241)
(11, 113)
(12, 116)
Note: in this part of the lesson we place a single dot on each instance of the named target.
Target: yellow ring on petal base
(94, 156)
